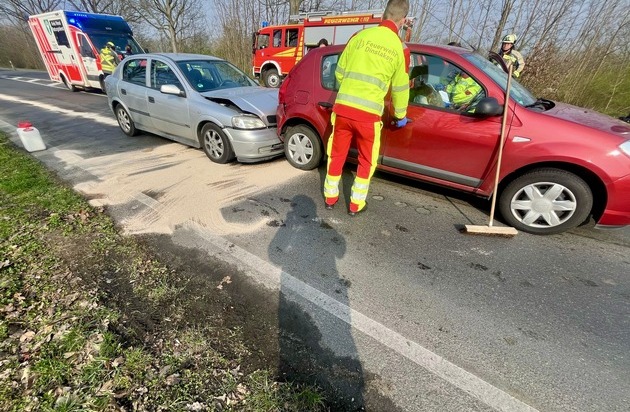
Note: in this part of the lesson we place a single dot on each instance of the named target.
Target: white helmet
(510, 38)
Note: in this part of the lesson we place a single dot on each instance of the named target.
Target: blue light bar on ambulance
(90, 22)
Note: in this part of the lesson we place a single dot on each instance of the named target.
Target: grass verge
(69, 340)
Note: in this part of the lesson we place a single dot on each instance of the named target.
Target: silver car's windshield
(206, 75)
(517, 91)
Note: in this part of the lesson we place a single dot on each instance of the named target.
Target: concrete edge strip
(272, 276)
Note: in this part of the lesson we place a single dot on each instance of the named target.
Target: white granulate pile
(179, 184)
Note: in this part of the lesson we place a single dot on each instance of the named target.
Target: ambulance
(70, 43)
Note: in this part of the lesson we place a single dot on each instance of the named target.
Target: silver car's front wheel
(546, 201)
(215, 144)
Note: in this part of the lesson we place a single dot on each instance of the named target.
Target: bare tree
(506, 8)
(175, 19)
(19, 10)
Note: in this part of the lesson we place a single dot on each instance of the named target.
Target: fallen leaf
(118, 361)
(27, 336)
(106, 387)
(172, 379)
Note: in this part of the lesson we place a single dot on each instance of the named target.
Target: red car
(561, 163)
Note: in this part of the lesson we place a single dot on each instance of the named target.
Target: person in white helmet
(511, 56)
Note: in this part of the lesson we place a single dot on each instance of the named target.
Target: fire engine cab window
(277, 38)
(135, 71)
(263, 41)
(291, 37)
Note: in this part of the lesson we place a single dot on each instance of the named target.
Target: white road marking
(49, 107)
(48, 82)
(273, 277)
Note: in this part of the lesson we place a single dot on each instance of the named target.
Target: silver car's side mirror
(172, 89)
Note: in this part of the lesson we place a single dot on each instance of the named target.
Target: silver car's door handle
(151, 99)
(123, 91)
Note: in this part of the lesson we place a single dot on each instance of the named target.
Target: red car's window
(327, 70)
(438, 83)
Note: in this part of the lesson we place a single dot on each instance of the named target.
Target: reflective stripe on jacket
(462, 89)
(108, 60)
(373, 60)
(514, 57)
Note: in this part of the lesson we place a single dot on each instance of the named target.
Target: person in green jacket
(462, 90)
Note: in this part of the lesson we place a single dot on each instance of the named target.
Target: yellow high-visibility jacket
(462, 90)
(373, 60)
(515, 58)
(109, 60)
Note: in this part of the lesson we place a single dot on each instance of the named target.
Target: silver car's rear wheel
(125, 122)
(216, 144)
(302, 147)
(546, 201)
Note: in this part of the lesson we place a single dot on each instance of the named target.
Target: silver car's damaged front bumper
(255, 145)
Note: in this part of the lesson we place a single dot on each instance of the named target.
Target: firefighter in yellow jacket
(511, 56)
(373, 60)
(109, 58)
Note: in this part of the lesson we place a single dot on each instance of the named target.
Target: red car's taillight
(283, 90)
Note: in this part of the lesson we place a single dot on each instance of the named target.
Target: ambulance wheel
(102, 84)
(69, 86)
(271, 78)
(125, 122)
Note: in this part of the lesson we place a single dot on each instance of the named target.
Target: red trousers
(367, 136)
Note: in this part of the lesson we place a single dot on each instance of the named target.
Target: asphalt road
(411, 314)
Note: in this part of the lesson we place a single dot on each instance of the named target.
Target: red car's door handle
(325, 105)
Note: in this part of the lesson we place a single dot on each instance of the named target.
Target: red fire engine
(276, 49)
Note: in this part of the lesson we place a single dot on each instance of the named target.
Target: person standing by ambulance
(373, 60)
(109, 58)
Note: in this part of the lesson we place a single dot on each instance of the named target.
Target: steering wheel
(230, 83)
(498, 60)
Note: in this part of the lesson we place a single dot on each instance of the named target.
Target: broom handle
(500, 155)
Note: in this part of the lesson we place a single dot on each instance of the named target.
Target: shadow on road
(305, 354)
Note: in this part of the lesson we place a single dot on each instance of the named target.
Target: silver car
(197, 100)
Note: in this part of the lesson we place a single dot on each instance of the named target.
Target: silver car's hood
(261, 101)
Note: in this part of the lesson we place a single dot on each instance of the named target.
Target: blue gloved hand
(402, 122)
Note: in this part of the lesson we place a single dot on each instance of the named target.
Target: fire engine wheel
(125, 122)
(303, 147)
(216, 144)
(546, 201)
(271, 78)
(69, 86)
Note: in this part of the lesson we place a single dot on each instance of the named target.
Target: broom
(491, 230)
